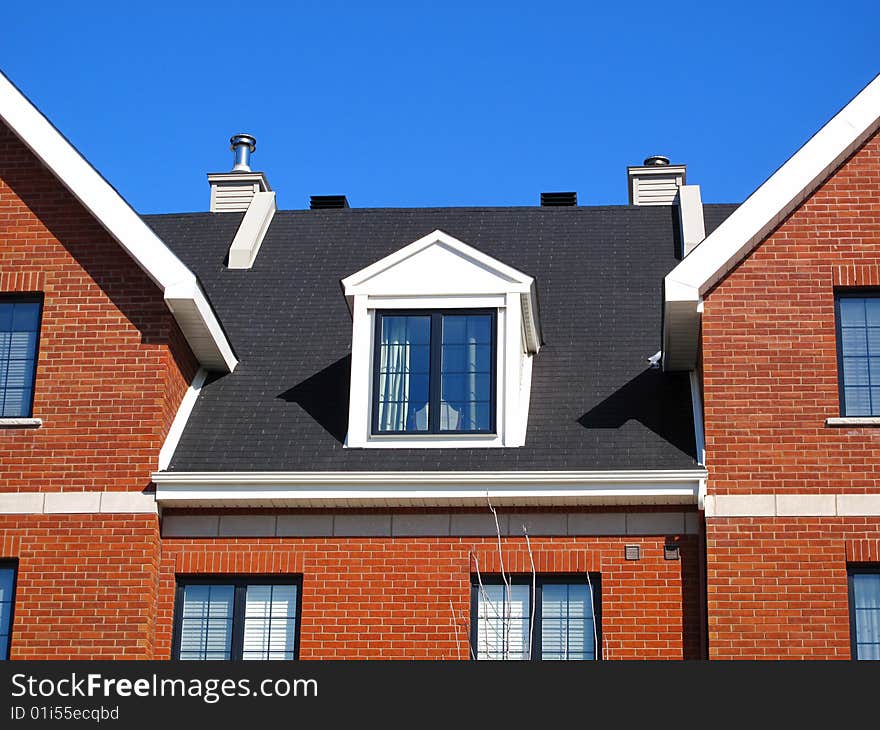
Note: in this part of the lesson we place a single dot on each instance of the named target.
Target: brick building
(559, 432)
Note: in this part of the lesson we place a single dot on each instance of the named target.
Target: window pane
(466, 384)
(503, 622)
(855, 371)
(857, 401)
(852, 312)
(866, 600)
(7, 576)
(867, 590)
(567, 631)
(872, 312)
(19, 325)
(206, 627)
(25, 317)
(205, 638)
(7, 579)
(855, 342)
(404, 371)
(270, 622)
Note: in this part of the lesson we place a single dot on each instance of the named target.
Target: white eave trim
(181, 419)
(752, 221)
(200, 327)
(373, 489)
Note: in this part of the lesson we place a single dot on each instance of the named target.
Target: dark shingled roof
(595, 404)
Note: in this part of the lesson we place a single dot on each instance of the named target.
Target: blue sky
(453, 103)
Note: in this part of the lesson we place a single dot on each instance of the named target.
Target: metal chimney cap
(239, 139)
(656, 161)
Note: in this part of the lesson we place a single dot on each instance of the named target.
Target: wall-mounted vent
(671, 551)
(553, 200)
(632, 552)
(327, 202)
(655, 182)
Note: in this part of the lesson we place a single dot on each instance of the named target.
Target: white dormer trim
(440, 272)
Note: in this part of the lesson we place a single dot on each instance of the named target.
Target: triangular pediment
(439, 265)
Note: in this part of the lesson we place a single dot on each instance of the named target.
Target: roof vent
(233, 191)
(326, 202)
(655, 182)
(242, 146)
(553, 200)
(656, 161)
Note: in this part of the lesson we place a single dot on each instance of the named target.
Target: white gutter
(312, 489)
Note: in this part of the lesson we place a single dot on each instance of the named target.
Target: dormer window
(443, 338)
(434, 372)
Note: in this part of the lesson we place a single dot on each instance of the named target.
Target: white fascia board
(427, 488)
(509, 280)
(117, 217)
(200, 326)
(180, 420)
(351, 283)
(762, 211)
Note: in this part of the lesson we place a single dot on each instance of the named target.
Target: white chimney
(232, 192)
(656, 182)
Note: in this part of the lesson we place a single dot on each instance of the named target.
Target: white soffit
(439, 265)
(180, 288)
(752, 221)
(377, 489)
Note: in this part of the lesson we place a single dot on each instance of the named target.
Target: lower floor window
(864, 600)
(550, 618)
(7, 599)
(237, 618)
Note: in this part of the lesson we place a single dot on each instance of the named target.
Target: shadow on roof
(653, 398)
(319, 396)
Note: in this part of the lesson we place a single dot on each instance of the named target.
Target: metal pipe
(242, 145)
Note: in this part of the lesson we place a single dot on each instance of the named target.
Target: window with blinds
(554, 618)
(19, 337)
(7, 602)
(250, 619)
(864, 610)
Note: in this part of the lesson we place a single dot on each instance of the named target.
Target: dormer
(443, 338)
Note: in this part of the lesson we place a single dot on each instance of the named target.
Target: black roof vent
(552, 200)
(325, 202)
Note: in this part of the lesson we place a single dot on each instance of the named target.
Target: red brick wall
(770, 351)
(112, 367)
(777, 587)
(390, 598)
(86, 586)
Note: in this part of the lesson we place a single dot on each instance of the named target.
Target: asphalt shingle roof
(595, 404)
